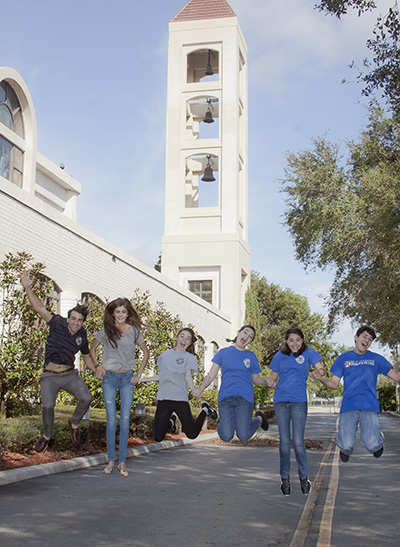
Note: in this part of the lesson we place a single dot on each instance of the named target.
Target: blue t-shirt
(293, 374)
(237, 368)
(360, 374)
(62, 345)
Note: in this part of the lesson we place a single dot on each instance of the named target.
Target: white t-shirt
(173, 366)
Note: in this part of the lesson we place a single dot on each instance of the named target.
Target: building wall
(39, 218)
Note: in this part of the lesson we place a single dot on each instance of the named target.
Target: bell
(208, 175)
(209, 70)
(208, 117)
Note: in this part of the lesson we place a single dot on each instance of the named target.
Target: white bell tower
(205, 243)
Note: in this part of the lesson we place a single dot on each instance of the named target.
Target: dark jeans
(165, 408)
(50, 385)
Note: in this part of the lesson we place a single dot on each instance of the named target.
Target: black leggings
(165, 408)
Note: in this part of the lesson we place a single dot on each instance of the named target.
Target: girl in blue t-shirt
(291, 364)
(239, 371)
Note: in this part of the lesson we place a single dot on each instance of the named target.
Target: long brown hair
(112, 332)
(285, 348)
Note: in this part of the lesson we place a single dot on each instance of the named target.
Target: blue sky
(97, 74)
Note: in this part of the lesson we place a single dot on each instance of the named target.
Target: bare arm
(36, 303)
(332, 383)
(393, 375)
(98, 371)
(189, 380)
(154, 378)
(210, 377)
(145, 358)
(95, 368)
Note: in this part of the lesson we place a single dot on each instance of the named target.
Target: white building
(202, 243)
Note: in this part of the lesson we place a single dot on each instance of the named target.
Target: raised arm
(36, 303)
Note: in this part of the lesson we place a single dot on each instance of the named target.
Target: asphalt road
(204, 494)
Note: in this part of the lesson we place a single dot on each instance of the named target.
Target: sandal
(123, 470)
(108, 469)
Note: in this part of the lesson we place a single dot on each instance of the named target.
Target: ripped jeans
(111, 382)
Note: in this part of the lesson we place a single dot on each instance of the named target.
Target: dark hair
(285, 348)
(112, 332)
(366, 328)
(190, 347)
(79, 308)
(240, 330)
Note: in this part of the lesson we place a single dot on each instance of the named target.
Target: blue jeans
(296, 413)
(235, 414)
(370, 433)
(111, 382)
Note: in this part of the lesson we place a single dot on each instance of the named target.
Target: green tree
(22, 336)
(252, 314)
(281, 309)
(382, 72)
(344, 214)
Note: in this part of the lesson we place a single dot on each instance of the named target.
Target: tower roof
(195, 10)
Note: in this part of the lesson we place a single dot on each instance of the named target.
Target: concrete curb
(24, 473)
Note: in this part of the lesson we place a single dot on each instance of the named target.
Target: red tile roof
(204, 9)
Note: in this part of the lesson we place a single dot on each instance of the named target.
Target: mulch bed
(273, 442)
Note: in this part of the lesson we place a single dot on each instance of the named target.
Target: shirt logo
(180, 361)
(246, 363)
(78, 341)
(300, 359)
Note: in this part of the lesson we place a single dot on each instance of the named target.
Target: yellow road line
(308, 511)
(325, 528)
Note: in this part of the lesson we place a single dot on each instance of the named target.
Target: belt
(56, 371)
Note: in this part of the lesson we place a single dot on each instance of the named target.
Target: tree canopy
(344, 214)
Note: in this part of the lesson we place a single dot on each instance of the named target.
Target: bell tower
(205, 243)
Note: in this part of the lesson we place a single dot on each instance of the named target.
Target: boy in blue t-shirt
(359, 369)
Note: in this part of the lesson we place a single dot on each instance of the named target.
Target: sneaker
(264, 421)
(345, 457)
(305, 485)
(210, 411)
(379, 452)
(41, 444)
(173, 428)
(285, 487)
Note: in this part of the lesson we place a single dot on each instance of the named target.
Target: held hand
(196, 392)
(315, 375)
(136, 379)
(99, 373)
(271, 383)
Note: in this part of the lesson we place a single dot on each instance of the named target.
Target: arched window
(11, 157)
(202, 117)
(201, 181)
(203, 65)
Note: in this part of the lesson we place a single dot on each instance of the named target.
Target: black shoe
(379, 452)
(211, 412)
(345, 457)
(173, 427)
(264, 421)
(285, 487)
(305, 485)
(41, 444)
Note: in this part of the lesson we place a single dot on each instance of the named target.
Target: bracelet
(96, 366)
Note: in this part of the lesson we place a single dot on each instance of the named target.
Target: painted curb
(24, 473)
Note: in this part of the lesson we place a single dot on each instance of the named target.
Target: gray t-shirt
(173, 366)
(123, 356)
